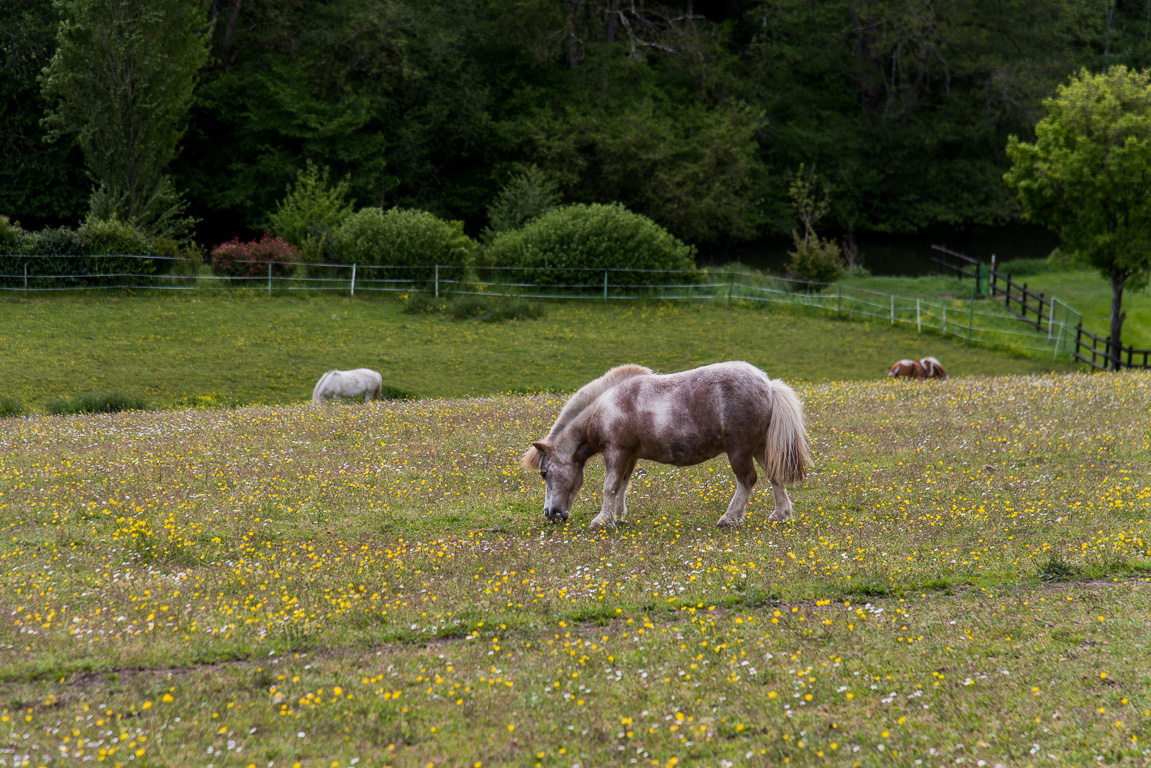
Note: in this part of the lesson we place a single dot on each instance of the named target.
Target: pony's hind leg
(745, 477)
(782, 512)
(618, 468)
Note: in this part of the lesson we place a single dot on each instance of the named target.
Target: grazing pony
(926, 368)
(338, 384)
(685, 418)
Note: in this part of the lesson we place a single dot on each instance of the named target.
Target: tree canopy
(696, 115)
(1087, 176)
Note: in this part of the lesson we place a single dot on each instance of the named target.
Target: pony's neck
(572, 439)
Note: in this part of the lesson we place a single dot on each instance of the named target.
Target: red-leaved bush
(236, 259)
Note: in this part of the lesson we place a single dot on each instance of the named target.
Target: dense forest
(697, 114)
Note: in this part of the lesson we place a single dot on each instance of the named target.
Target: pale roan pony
(684, 418)
(340, 384)
(925, 368)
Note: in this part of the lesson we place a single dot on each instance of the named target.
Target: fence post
(918, 327)
(1007, 293)
(730, 286)
(269, 278)
(25, 279)
(1078, 339)
(838, 300)
(605, 286)
(1051, 319)
(971, 316)
(353, 287)
(991, 278)
(1058, 341)
(943, 328)
(893, 309)
(437, 281)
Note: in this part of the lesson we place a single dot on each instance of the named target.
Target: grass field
(1083, 289)
(965, 582)
(234, 349)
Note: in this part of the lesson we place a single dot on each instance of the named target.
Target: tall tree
(121, 81)
(1087, 177)
(39, 183)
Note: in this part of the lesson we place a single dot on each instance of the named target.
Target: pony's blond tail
(316, 390)
(788, 454)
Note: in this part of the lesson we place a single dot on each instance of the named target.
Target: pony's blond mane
(584, 397)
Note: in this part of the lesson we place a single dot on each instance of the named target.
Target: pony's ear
(534, 455)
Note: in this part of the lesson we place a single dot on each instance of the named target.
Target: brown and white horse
(684, 418)
(925, 368)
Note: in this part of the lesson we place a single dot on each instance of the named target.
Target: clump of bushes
(110, 402)
(422, 304)
(10, 408)
(252, 259)
(528, 195)
(592, 237)
(312, 210)
(61, 257)
(403, 237)
(491, 309)
(816, 261)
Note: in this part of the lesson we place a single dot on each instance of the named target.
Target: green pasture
(1084, 289)
(243, 348)
(965, 582)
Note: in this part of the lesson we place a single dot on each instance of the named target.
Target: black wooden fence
(1037, 309)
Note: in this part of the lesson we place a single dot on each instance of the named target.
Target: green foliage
(10, 408)
(816, 261)
(161, 212)
(121, 80)
(694, 169)
(55, 257)
(311, 210)
(1022, 267)
(389, 392)
(10, 234)
(38, 183)
(403, 237)
(111, 242)
(591, 237)
(1087, 176)
(420, 303)
(527, 195)
(810, 198)
(110, 402)
(493, 309)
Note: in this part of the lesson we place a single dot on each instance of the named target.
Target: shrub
(1023, 267)
(403, 237)
(422, 304)
(10, 234)
(111, 402)
(815, 261)
(388, 392)
(55, 259)
(10, 408)
(252, 259)
(110, 243)
(491, 309)
(528, 195)
(312, 207)
(591, 237)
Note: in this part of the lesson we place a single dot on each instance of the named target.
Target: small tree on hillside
(1087, 177)
(816, 260)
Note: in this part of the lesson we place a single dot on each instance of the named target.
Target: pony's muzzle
(554, 513)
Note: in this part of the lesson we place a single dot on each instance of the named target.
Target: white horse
(685, 418)
(361, 381)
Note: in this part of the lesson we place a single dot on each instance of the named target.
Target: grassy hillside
(965, 578)
(239, 349)
(1083, 289)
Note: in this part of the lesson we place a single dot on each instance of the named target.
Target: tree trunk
(1118, 278)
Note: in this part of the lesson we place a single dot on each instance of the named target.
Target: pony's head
(563, 477)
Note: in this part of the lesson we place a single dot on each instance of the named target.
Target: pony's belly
(681, 454)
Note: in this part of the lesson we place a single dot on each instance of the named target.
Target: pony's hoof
(723, 522)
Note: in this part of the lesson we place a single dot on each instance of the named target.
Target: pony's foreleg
(745, 477)
(782, 511)
(618, 468)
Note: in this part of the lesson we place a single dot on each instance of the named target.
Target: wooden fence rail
(1037, 310)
